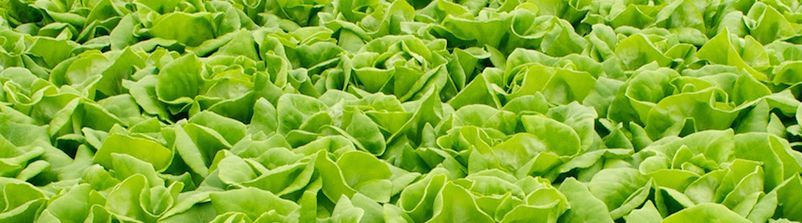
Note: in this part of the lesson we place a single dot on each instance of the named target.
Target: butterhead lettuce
(400, 111)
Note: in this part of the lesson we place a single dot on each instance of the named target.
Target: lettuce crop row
(400, 111)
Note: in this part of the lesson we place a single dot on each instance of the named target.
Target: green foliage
(400, 111)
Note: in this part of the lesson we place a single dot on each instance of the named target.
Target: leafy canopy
(400, 111)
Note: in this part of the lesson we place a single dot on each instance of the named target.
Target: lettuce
(400, 111)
